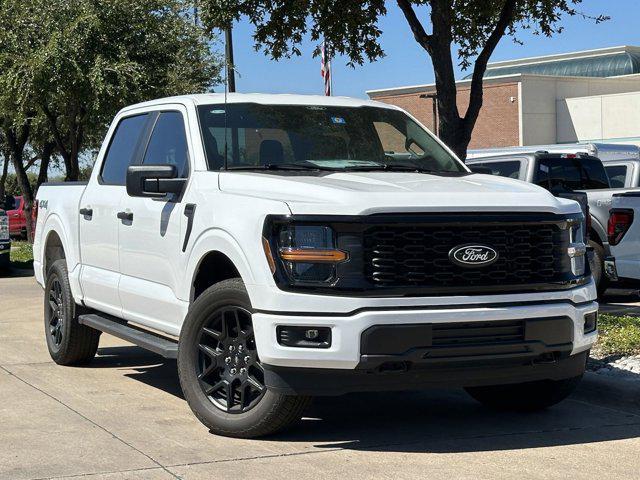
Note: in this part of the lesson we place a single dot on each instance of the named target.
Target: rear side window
(594, 175)
(168, 143)
(510, 169)
(122, 149)
(617, 175)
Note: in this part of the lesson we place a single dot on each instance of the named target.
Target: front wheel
(220, 373)
(525, 397)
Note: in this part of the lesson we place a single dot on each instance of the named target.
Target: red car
(14, 207)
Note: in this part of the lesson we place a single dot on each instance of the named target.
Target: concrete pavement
(123, 417)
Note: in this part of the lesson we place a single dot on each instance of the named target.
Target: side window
(617, 175)
(168, 143)
(122, 149)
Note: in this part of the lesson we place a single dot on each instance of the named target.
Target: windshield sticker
(544, 168)
(338, 120)
(216, 112)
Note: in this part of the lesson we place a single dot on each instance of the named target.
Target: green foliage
(13, 187)
(21, 254)
(68, 66)
(351, 28)
(618, 335)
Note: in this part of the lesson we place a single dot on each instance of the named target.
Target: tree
(472, 28)
(101, 55)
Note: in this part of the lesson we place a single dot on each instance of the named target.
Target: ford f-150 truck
(284, 246)
(623, 228)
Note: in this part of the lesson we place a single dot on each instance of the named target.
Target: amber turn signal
(267, 251)
(312, 255)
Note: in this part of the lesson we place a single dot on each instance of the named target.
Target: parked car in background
(579, 177)
(14, 206)
(621, 161)
(5, 241)
(623, 265)
(287, 246)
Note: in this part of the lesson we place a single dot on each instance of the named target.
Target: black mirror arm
(163, 186)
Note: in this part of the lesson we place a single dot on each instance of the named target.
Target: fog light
(305, 337)
(590, 322)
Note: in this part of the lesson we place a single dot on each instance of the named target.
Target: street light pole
(434, 103)
(231, 74)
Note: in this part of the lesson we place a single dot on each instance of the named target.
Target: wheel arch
(218, 249)
(55, 245)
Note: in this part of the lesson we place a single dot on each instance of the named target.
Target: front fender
(216, 240)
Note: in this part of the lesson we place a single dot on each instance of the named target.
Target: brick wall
(497, 125)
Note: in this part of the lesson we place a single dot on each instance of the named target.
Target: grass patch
(21, 254)
(618, 336)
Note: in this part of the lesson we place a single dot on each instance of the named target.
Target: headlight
(4, 228)
(577, 249)
(307, 252)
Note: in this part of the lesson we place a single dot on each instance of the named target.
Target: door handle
(86, 212)
(128, 216)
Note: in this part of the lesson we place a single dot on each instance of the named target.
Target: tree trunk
(45, 159)
(17, 139)
(455, 130)
(5, 172)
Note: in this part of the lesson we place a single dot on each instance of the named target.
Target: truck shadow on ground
(436, 421)
(620, 302)
(17, 270)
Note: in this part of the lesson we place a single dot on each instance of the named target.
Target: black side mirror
(154, 181)
(480, 169)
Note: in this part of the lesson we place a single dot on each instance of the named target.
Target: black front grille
(416, 255)
(477, 333)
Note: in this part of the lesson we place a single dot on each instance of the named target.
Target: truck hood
(364, 193)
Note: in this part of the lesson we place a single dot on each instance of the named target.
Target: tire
(597, 267)
(216, 345)
(69, 342)
(525, 397)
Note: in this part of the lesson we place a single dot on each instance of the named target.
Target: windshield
(305, 137)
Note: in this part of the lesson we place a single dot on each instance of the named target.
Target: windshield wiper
(399, 167)
(277, 166)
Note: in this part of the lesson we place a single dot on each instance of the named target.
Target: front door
(151, 237)
(98, 220)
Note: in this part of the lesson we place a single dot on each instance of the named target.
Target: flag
(325, 69)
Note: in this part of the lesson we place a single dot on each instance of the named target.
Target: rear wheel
(525, 397)
(69, 342)
(220, 371)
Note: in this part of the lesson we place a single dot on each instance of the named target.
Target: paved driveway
(124, 418)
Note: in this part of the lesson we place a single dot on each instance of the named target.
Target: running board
(119, 328)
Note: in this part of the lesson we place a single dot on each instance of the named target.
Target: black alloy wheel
(227, 367)
(56, 312)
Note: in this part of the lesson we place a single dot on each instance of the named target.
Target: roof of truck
(265, 99)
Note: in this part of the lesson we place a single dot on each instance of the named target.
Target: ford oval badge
(473, 255)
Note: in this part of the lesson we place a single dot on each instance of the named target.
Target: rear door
(151, 240)
(99, 207)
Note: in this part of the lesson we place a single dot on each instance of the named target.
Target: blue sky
(407, 64)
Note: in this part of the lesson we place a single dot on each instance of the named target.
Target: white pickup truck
(623, 266)
(284, 246)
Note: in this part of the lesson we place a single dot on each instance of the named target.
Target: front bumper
(553, 339)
